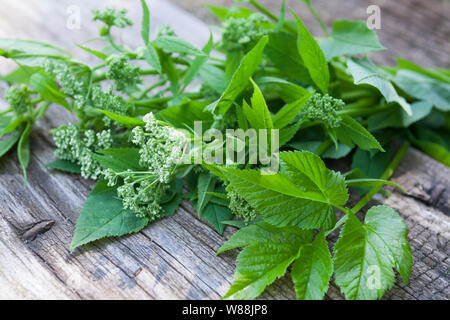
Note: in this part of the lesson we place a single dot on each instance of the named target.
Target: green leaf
(405, 64)
(11, 125)
(424, 88)
(351, 132)
(365, 254)
(287, 133)
(350, 38)
(280, 201)
(434, 150)
(152, 58)
(31, 53)
(372, 165)
(145, 23)
(174, 44)
(48, 89)
(198, 63)
(364, 71)
(280, 23)
(214, 77)
(289, 112)
(258, 114)
(312, 270)
(215, 215)
(268, 254)
(64, 165)
(312, 56)
(168, 67)
(206, 183)
(186, 114)
(308, 171)
(288, 91)
(96, 53)
(126, 121)
(283, 53)
(21, 74)
(119, 159)
(240, 78)
(103, 216)
(372, 183)
(9, 142)
(420, 109)
(23, 151)
(169, 208)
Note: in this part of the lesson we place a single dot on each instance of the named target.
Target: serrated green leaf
(351, 132)
(103, 216)
(313, 57)
(240, 78)
(365, 254)
(64, 165)
(350, 38)
(312, 270)
(307, 170)
(279, 200)
(215, 214)
(258, 115)
(268, 254)
(364, 71)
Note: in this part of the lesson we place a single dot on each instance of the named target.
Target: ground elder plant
(135, 131)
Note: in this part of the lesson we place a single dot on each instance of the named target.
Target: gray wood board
(173, 258)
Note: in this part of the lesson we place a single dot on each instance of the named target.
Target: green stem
(6, 111)
(361, 112)
(355, 95)
(269, 14)
(165, 99)
(386, 175)
(324, 147)
(316, 15)
(41, 110)
(337, 225)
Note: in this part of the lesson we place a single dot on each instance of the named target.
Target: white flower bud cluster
(76, 146)
(160, 147)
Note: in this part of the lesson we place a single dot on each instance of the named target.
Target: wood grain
(173, 258)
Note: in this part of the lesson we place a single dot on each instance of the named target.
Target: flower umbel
(123, 73)
(324, 108)
(18, 99)
(77, 146)
(113, 17)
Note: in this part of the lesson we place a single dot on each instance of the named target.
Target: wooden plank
(413, 29)
(173, 258)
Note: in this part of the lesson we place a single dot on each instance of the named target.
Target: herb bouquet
(240, 128)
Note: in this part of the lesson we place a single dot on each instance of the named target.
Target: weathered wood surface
(417, 30)
(173, 258)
